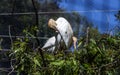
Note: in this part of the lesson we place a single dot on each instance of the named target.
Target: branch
(36, 13)
(37, 23)
(11, 46)
(109, 65)
(10, 37)
(11, 68)
(42, 56)
(87, 33)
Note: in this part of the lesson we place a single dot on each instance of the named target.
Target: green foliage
(25, 57)
(97, 57)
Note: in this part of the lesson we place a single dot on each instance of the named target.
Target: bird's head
(52, 24)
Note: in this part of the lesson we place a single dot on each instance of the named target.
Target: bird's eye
(66, 32)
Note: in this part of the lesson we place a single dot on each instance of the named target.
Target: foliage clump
(96, 57)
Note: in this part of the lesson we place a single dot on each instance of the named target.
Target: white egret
(64, 37)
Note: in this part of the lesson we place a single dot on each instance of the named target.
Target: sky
(99, 12)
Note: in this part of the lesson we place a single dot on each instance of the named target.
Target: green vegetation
(96, 57)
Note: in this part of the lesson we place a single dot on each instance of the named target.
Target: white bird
(64, 38)
(51, 44)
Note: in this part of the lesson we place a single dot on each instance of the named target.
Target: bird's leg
(74, 42)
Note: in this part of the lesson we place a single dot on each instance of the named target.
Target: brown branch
(12, 68)
(10, 36)
(109, 65)
(36, 12)
(37, 23)
(11, 46)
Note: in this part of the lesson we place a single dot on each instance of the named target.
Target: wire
(6, 36)
(54, 12)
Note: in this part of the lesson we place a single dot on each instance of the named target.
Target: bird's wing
(65, 30)
(49, 44)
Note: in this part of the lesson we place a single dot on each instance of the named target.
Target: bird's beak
(52, 24)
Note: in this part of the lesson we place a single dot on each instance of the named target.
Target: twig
(108, 23)
(61, 38)
(114, 28)
(87, 33)
(11, 68)
(42, 56)
(36, 12)
(109, 64)
(10, 37)
(37, 23)
(11, 46)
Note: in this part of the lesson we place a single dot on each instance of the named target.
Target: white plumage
(64, 37)
(65, 30)
(50, 44)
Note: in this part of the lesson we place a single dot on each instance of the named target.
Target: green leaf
(93, 41)
(75, 62)
(109, 73)
(22, 68)
(36, 62)
(79, 43)
(99, 50)
(57, 63)
(86, 65)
